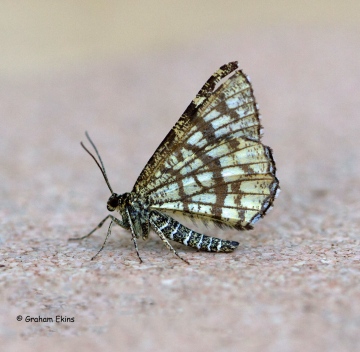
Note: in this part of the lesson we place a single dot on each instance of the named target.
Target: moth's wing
(231, 182)
(182, 127)
(214, 151)
(229, 111)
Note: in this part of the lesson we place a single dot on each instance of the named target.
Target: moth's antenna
(102, 167)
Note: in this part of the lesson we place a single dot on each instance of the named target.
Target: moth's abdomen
(174, 231)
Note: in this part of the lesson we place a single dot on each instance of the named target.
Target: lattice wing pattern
(180, 131)
(212, 165)
(230, 111)
(232, 183)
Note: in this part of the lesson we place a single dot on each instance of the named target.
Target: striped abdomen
(174, 231)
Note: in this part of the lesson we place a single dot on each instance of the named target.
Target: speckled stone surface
(294, 282)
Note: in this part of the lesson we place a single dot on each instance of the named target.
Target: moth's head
(117, 201)
(113, 202)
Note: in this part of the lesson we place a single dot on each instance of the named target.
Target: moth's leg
(175, 231)
(167, 243)
(145, 230)
(107, 235)
(133, 235)
(117, 221)
(113, 220)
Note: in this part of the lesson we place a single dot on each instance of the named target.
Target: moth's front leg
(113, 220)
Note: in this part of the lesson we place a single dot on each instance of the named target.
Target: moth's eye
(112, 202)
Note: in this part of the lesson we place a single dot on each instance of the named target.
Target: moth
(211, 166)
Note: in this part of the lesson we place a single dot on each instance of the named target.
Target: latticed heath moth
(211, 166)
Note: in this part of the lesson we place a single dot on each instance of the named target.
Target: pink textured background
(293, 284)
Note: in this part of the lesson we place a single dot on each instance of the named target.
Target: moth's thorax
(138, 202)
(121, 201)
